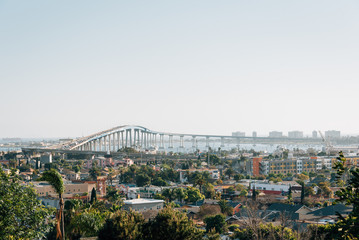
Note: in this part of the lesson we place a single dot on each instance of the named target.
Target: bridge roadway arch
(141, 138)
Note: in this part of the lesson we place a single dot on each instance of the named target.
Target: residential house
(142, 204)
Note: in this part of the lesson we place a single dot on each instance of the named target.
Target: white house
(143, 204)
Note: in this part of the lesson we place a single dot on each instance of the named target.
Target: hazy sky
(72, 68)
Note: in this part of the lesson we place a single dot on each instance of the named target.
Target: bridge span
(141, 138)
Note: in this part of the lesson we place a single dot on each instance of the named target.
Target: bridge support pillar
(130, 132)
(149, 140)
(134, 138)
(118, 140)
(181, 142)
(222, 141)
(170, 141)
(155, 140)
(138, 139)
(100, 144)
(122, 140)
(162, 145)
(141, 139)
(109, 143)
(105, 143)
(194, 142)
(207, 142)
(126, 139)
(113, 142)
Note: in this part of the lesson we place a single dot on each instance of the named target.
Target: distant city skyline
(290, 134)
(73, 68)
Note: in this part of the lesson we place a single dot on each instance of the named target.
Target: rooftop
(142, 201)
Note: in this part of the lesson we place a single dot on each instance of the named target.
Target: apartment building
(295, 134)
(45, 189)
(352, 161)
(275, 134)
(254, 166)
(295, 166)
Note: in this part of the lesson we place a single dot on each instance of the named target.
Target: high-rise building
(295, 134)
(332, 134)
(238, 134)
(254, 134)
(314, 134)
(275, 134)
(253, 166)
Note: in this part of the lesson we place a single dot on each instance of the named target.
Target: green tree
(238, 177)
(180, 194)
(226, 208)
(53, 177)
(94, 173)
(112, 195)
(267, 231)
(159, 196)
(346, 227)
(87, 223)
(309, 191)
(169, 194)
(229, 172)
(324, 188)
(312, 175)
(171, 224)
(302, 193)
(142, 180)
(123, 225)
(349, 227)
(303, 177)
(22, 216)
(76, 168)
(214, 159)
(159, 182)
(254, 194)
(194, 195)
(216, 222)
(209, 191)
(93, 196)
(290, 197)
(199, 180)
(111, 175)
(212, 235)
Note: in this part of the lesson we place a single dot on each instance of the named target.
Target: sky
(73, 68)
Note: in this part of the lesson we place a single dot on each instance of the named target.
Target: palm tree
(55, 180)
(200, 181)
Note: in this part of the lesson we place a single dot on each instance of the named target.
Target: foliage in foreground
(22, 216)
(268, 231)
(122, 225)
(168, 224)
(216, 223)
(346, 227)
(171, 224)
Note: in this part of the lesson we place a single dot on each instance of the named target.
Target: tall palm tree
(54, 178)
